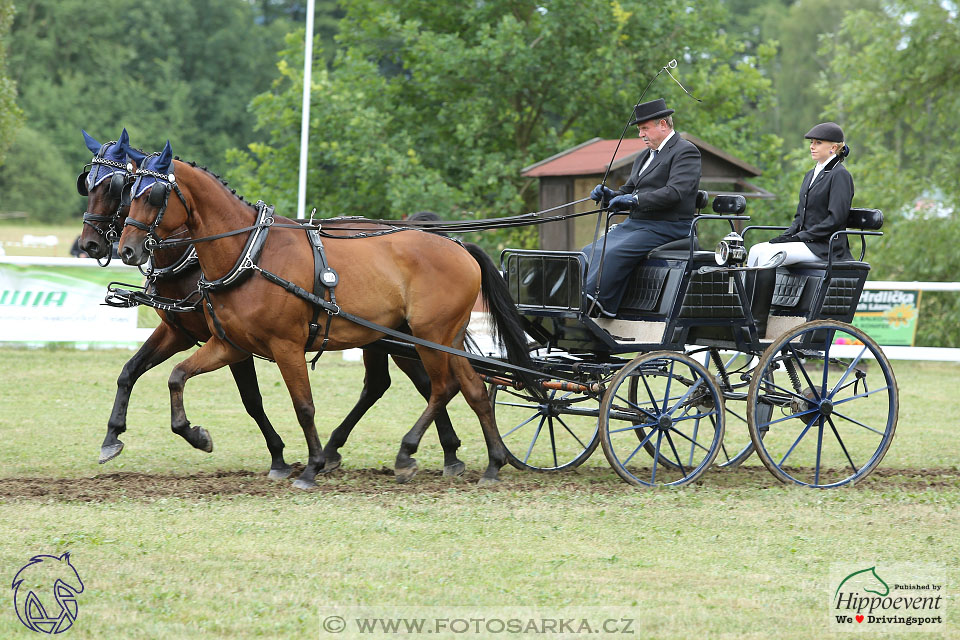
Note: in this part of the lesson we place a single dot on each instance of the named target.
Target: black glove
(603, 193)
(783, 238)
(622, 203)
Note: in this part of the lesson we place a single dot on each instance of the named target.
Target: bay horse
(423, 281)
(180, 330)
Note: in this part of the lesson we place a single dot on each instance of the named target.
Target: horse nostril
(126, 254)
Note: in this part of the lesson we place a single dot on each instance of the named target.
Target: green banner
(889, 316)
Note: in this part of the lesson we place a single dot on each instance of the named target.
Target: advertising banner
(889, 316)
(61, 300)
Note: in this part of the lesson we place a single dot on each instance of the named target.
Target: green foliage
(894, 78)
(37, 181)
(10, 114)
(440, 107)
(179, 70)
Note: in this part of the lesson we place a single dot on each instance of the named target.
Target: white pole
(305, 115)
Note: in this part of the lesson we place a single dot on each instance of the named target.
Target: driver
(660, 196)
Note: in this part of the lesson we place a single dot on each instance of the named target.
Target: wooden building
(572, 174)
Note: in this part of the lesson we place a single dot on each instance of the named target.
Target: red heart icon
(860, 618)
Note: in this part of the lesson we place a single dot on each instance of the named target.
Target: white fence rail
(60, 300)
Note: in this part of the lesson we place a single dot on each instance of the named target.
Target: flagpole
(305, 112)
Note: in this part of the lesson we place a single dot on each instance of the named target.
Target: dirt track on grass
(109, 487)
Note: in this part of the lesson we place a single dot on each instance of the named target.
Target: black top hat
(650, 111)
(828, 131)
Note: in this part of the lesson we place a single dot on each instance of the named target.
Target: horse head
(149, 197)
(56, 573)
(103, 182)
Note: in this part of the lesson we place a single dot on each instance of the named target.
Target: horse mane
(216, 176)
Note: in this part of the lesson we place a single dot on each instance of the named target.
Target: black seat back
(732, 205)
(865, 219)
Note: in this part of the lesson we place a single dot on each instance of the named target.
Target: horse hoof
(406, 474)
(487, 482)
(109, 452)
(300, 483)
(205, 441)
(330, 465)
(454, 470)
(280, 474)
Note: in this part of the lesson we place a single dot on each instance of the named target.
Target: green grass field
(172, 542)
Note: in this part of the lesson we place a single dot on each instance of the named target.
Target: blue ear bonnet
(113, 152)
(160, 163)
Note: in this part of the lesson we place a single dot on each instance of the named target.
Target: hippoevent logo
(45, 593)
(887, 598)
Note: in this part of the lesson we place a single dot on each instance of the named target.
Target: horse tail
(507, 325)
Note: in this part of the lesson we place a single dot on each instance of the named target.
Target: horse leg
(245, 375)
(443, 387)
(293, 368)
(376, 381)
(162, 343)
(476, 396)
(211, 356)
(452, 466)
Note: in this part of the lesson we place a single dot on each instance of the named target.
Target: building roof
(592, 157)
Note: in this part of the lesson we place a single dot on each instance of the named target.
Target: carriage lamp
(730, 250)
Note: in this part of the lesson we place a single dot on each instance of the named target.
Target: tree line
(426, 105)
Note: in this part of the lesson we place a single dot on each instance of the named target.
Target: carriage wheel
(835, 404)
(668, 401)
(553, 435)
(737, 445)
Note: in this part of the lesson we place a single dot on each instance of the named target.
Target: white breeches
(796, 252)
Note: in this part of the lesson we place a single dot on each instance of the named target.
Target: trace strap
(334, 310)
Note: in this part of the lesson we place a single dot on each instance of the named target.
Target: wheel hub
(664, 422)
(826, 408)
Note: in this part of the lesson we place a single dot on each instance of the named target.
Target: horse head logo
(43, 574)
(865, 580)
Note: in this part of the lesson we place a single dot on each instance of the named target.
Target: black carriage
(682, 364)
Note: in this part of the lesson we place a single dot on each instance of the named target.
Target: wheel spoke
(775, 386)
(858, 423)
(522, 424)
(656, 457)
(635, 406)
(842, 446)
(692, 388)
(568, 430)
(799, 438)
(634, 427)
(553, 440)
(693, 443)
(677, 454)
(816, 469)
(861, 395)
(696, 430)
(666, 392)
(852, 366)
(827, 342)
(536, 434)
(646, 384)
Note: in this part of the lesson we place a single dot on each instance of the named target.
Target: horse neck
(213, 210)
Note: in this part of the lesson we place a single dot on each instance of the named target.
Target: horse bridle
(159, 197)
(119, 178)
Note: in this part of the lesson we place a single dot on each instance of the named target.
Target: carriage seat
(796, 290)
(680, 249)
(858, 220)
